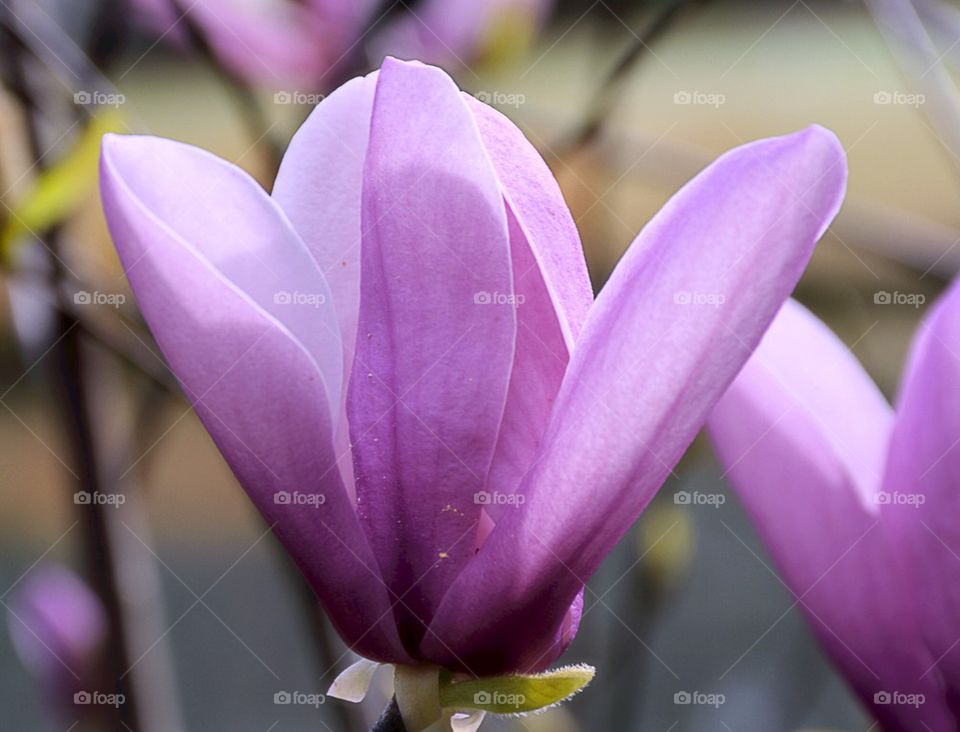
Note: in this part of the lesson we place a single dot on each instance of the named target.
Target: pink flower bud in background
(58, 626)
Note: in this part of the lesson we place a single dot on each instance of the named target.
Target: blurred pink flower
(276, 43)
(58, 627)
(460, 32)
(858, 504)
(399, 355)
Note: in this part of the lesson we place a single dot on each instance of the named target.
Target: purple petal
(922, 478)
(535, 198)
(805, 449)
(433, 355)
(269, 264)
(552, 291)
(656, 353)
(319, 188)
(539, 362)
(201, 244)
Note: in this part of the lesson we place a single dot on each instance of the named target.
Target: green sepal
(516, 694)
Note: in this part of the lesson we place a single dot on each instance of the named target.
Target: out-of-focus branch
(346, 717)
(123, 341)
(609, 91)
(923, 244)
(902, 236)
(66, 359)
(69, 370)
(250, 110)
(101, 559)
(390, 720)
(921, 64)
(32, 30)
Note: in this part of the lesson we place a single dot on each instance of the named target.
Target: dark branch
(607, 94)
(390, 720)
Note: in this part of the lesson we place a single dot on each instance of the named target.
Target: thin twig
(249, 107)
(609, 92)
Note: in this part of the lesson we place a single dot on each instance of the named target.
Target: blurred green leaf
(59, 190)
(509, 36)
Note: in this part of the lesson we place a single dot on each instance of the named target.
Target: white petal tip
(353, 683)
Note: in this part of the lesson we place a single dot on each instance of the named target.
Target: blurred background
(626, 101)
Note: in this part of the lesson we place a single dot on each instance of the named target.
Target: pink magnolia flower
(459, 32)
(858, 504)
(399, 354)
(58, 627)
(277, 43)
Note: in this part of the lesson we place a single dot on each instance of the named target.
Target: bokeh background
(626, 101)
